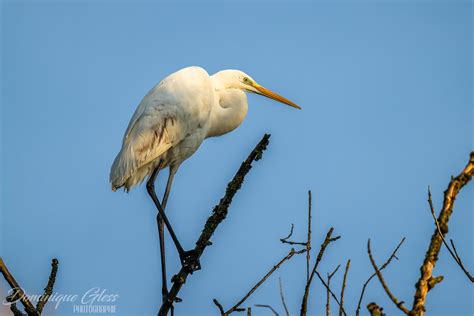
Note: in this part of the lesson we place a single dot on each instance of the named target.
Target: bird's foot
(190, 261)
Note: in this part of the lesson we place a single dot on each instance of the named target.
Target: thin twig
(219, 306)
(289, 235)
(269, 307)
(282, 296)
(256, 286)
(331, 292)
(384, 284)
(453, 251)
(460, 262)
(328, 297)
(326, 242)
(426, 280)
(344, 280)
(219, 213)
(308, 242)
(383, 266)
(290, 242)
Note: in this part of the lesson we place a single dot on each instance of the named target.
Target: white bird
(170, 124)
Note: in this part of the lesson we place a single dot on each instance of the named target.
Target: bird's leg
(151, 191)
(189, 259)
(161, 233)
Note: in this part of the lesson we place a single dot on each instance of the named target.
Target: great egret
(170, 124)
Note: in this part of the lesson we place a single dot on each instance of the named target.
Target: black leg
(151, 191)
(188, 259)
(164, 288)
(161, 233)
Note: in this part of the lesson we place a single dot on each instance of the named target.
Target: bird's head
(236, 79)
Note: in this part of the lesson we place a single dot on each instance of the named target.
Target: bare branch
(48, 290)
(348, 264)
(219, 213)
(18, 291)
(460, 261)
(219, 306)
(290, 242)
(308, 241)
(282, 296)
(426, 280)
(330, 291)
(323, 247)
(453, 251)
(289, 235)
(256, 286)
(384, 284)
(19, 294)
(328, 297)
(269, 307)
(383, 266)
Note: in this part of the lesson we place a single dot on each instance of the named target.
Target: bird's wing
(183, 89)
(156, 129)
(170, 111)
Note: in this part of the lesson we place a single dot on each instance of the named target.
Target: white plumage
(170, 124)
(176, 116)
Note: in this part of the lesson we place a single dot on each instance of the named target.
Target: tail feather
(121, 169)
(125, 173)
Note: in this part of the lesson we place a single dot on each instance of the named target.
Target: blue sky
(386, 91)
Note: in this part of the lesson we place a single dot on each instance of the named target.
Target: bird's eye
(246, 80)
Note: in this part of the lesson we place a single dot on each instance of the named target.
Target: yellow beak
(274, 96)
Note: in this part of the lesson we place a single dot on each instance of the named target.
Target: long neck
(228, 112)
